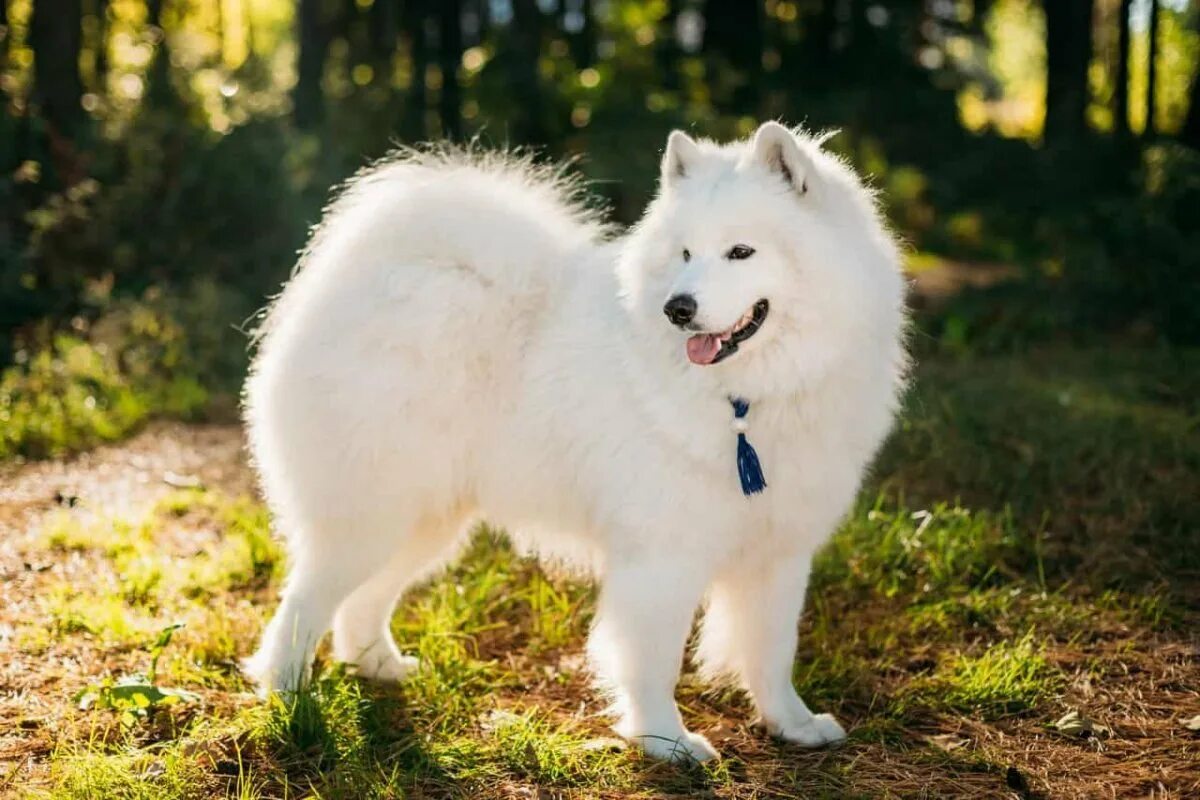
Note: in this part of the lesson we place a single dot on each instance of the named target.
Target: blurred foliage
(1115, 265)
(201, 147)
(71, 392)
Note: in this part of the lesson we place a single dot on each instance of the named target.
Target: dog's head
(763, 260)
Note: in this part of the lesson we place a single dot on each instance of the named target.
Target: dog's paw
(386, 667)
(817, 731)
(268, 679)
(689, 748)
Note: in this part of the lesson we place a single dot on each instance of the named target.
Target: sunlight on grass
(1007, 677)
(83, 774)
(929, 551)
(546, 754)
(918, 613)
(104, 615)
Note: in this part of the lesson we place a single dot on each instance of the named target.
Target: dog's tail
(497, 215)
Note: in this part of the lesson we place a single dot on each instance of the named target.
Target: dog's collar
(749, 469)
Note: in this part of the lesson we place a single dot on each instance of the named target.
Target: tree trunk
(528, 126)
(56, 37)
(1189, 134)
(584, 39)
(824, 34)
(4, 33)
(979, 13)
(102, 44)
(1121, 79)
(483, 11)
(450, 50)
(415, 16)
(667, 48)
(382, 22)
(1152, 72)
(1068, 50)
(159, 74)
(308, 101)
(733, 30)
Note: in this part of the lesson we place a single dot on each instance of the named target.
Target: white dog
(467, 341)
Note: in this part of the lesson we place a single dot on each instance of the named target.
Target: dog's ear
(776, 147)
(681, 155)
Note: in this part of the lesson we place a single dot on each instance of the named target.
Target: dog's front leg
(642, 624)
(749, 631)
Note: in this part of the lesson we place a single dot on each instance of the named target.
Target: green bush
(70, 393)
(1137, 263)
(1126, 264)
(167, 204)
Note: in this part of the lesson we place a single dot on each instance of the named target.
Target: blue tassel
(749, 469)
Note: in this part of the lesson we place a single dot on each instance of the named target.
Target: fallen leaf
(177, 481)
(1077, 725)
(604, 744)
(498, 719)
(948, 742)
(722, 733)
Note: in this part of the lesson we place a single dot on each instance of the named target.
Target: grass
(1022, 550)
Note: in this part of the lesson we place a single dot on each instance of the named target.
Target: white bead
(740, 425)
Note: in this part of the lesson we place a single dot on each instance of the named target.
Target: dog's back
(425, 271)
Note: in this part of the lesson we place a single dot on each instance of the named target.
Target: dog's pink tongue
(703, 348)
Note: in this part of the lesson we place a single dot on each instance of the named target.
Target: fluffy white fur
(466, 341)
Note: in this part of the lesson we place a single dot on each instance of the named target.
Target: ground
(1011, 611)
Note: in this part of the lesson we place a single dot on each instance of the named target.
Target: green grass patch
(1095, 450)
(943, 596)
(890, 550)
(1006, 677)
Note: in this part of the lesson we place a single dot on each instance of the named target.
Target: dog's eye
(687, 254)
(739, 252)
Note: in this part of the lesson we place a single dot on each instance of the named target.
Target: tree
(5, 34)
(308, 102)
(666, 49)
(56, 36)
(382, 29)
(979, 12)
(102, 45)
(1152, 71)
(450, 50)
(1121, 90)
(1189, 134)
(415, 16)
(824, 34)
(733, 30)
(583, 40)
(1068, 50)
(526, 47)
(159, 74)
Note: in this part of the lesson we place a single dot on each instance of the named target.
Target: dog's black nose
(680, 309)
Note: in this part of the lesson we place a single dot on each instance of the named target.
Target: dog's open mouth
(709, 348)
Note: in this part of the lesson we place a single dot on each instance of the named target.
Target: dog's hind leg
(362, 626)
(327, 566)
(749, 632)
(311, 594)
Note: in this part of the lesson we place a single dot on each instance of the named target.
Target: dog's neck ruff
(749, 469)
